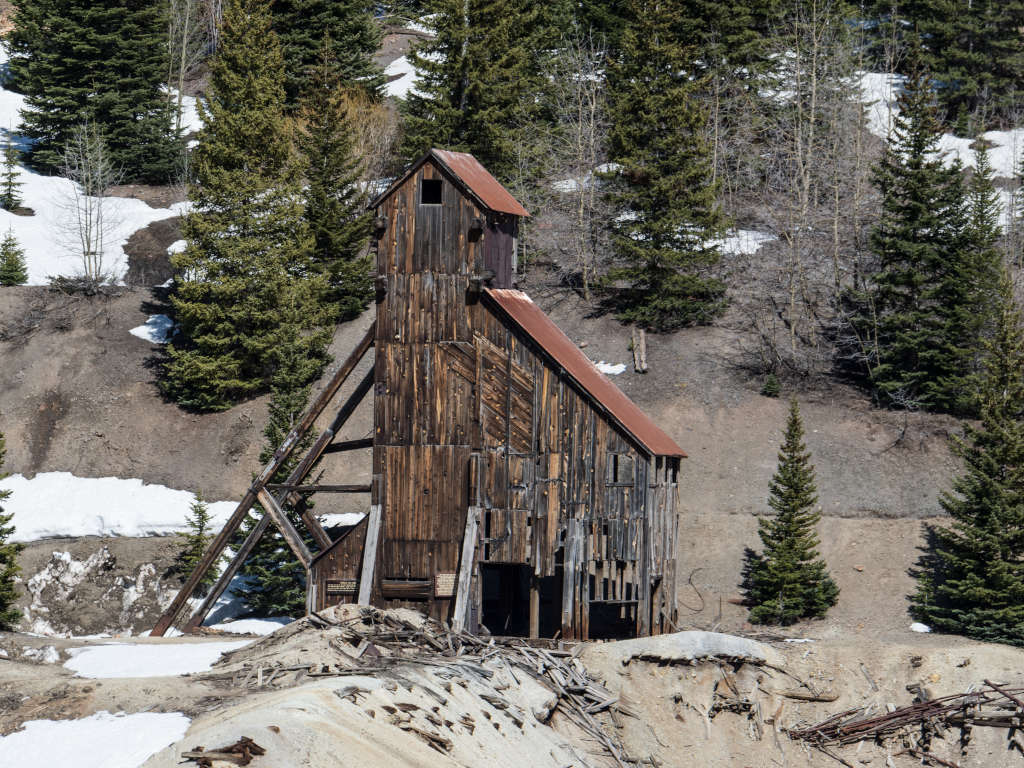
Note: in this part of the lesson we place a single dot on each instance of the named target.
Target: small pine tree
(13, 269)
(195, 541)
(972, 583)
(663, 188)
(9, 615)
(10, 195)
(789, 581)
(335, 205)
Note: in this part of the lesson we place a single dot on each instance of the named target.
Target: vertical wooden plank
(370, 554)
(469, 542)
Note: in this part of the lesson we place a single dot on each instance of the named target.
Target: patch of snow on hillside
(147, 660)
(178, 246)
(879, 92)
(58, 504)
(48, 654)
(157, 330)
(46, 237)
(252, 626)
(744, 241)
(610, 369)
(401, 78)
(102, 740)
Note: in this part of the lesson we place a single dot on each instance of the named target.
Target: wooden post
(227, 575)
(569, 568)
(639, 350)
(370, 547)
(220, 542)
(284, 525)
(466, 568)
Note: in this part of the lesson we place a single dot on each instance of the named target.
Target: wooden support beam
(466, 562)
(349, 445)
(220, 541)
(369, 554)
(227, 575)
(350, 488)
(284, 525)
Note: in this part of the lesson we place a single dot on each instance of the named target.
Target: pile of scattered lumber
(991, 705)
(369, 641)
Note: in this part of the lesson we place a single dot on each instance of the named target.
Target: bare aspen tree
(88, 165)
(188, 44)
(561, 168)
(816, 194)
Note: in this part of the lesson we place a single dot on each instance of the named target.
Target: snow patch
(102, 740)
(46, 237)
(919, 627)
(400, 75)
(342, 518)
(157, 660)
(57, 504)
(48, 654)
(610, 369)
(879, 92)
(178, 246)
(157, 330)
(252, 626)
(743, 241)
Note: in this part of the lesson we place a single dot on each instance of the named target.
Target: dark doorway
(505, 598)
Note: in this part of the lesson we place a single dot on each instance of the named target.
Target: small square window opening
(430, 192)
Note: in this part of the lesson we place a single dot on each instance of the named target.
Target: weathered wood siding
(470, 411)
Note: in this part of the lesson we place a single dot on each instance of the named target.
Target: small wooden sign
(444, 584)
(341, 586)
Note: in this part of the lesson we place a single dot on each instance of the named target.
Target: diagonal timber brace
(294, 438)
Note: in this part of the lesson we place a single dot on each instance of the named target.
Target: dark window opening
(611, 621)
(431, 191)
(620, 469)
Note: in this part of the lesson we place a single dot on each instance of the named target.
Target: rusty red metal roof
(472, 176)
(542, 329)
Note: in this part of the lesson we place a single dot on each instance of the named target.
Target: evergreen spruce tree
(926, 278)
(246, 291)
(335, 205)
(353, 35)
(277, 580)
(9, 615)
(480, 81)
(788, 580)
(973, 581)
(663, 188)
(10, 186)
(13, 269)
(101, 62)
(195, 542)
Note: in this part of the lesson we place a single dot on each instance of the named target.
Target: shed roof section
(470, 175)
(539, 327)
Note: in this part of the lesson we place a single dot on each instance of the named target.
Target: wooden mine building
(514, 486)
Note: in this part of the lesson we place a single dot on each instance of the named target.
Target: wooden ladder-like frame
(273, 498)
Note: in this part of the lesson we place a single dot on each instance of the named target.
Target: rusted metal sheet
(471, 175)
(539, 327)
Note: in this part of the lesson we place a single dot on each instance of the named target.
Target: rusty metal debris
(240, 753)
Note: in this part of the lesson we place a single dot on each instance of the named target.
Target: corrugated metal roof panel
(539, 327)
(468, 170)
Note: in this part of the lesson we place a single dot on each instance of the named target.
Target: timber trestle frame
(273, 498)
